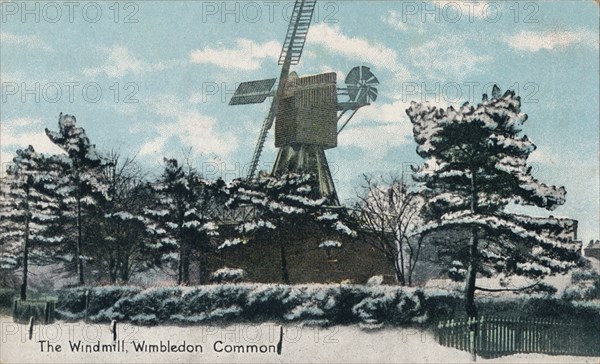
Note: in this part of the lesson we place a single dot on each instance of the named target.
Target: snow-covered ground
(210, 344)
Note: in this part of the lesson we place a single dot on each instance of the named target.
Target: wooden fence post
(113, 329)
(31, 322)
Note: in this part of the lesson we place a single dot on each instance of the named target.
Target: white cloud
(246, 56)
(27, 41)
(395, 20)
(188, 125)
(121, 61)
(153, 146)
(442, 59)
(21, 132)
(468, 9)
(534, 41)
(358, 49)
(378, 128)
(414, 17)
(544, 157)
(15, 77)
(341, 76)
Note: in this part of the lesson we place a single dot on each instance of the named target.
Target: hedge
(311, 304)
(72, 301)
(308, 304)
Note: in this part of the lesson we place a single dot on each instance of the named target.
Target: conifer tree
(29, 213)
(81, 179)
(476, 166)
(179, 223)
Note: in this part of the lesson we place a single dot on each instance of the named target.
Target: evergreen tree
(282, 204)
(29, 212)
(81, 180)
(475, 166)
(180, 222)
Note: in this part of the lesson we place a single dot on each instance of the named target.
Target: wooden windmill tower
(306, 109)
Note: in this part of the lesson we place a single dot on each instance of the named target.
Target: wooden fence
(492, 337)
(41, 310)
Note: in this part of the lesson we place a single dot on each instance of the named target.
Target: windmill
(306, 110)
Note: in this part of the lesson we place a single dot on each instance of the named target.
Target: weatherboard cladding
(308, 113)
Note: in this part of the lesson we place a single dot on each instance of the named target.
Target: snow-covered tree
(476, 166)
(180, 223)
(388, 214)
(120, 241)
(81, 180)
(29, 212)
(282, 204)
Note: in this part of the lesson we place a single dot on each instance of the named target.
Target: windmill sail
(253, 92)
(297, 31)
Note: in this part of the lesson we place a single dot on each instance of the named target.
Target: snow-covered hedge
(72, 301)
(309, 304)
(369, 306)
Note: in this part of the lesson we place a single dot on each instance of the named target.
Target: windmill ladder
(259, 145)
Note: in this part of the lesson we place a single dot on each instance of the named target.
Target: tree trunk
(78, 260)
(285, 276)
(180, 267)
(202, 269)
(470, 307)
(185, 263)
(112, 269)
(399, 262)
(25, 257)
(125, 269)
(399, 274)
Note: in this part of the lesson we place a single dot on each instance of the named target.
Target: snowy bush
(149, 302)
(212, 303)
(228, 275)
(101, 297)
(311, 304)
(442, 304)
(267, 301)
(375, 281)
(308, 313)
(71, 300)
(107, 315)
(390, 305)
(585, 285)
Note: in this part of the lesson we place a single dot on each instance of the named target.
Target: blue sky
(166, 71)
